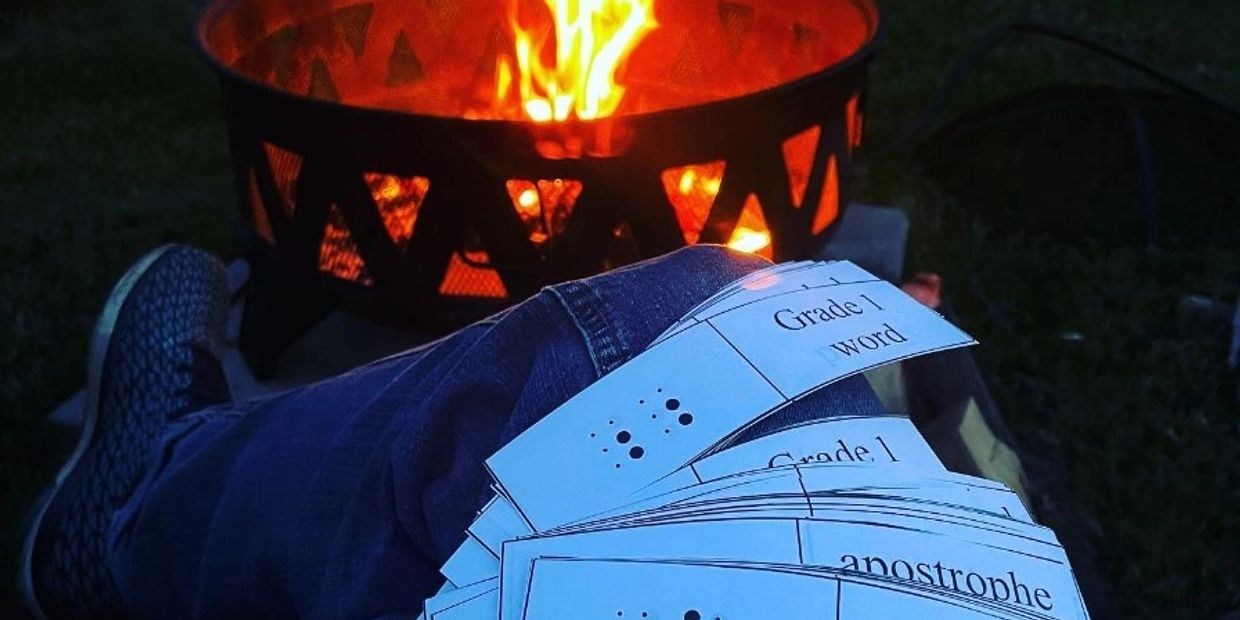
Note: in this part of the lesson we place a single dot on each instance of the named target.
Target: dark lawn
(110, 143)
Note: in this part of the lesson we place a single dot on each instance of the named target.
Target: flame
(749, 240)
(591, 39)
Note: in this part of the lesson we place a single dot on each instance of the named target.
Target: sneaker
(154, 355)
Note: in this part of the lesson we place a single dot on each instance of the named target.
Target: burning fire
(591, 39)
(564, 67)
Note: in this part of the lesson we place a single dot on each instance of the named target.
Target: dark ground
(111, 143)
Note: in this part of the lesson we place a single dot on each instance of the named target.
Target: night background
(1104, 336)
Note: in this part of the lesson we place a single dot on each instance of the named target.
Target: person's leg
(342, 498)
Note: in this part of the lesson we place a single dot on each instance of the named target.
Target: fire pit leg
(279, 310)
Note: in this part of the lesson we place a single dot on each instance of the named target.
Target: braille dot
(617, 466)
(611, 421)
(693, 614)
(685, 419)
(623, 437)
(604, 449)
(660, 390)
(641, 402)
(672, 404)
(667, 430)
(636, 452)
(619, 613)
(644, 614)
(591, 434)
(654, 416)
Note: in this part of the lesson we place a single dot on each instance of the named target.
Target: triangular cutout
(751, 233)
(736, 19)
(403, 65)
(689, 66)
(799, 159)
(258, 213)
(829, 203)
(280, 46)
(321, 84)
(852, 117)
(444, 14)
(469, 280)
(398, 199)
(338, 251)
(544, 206)
(353, 22)
(692, 190)
(285, 168)
(559, 198)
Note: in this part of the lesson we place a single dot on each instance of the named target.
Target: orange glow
(829, 203)
(544, 207)
(591, 39)
(466, 280)
(399, 199)
(852, 116)
(528, 200)
(388, 188)
(799, 158)
(692, 190)
(686, 180)
(338, 253)
(751, 233)
(262, 225)
(749, 240)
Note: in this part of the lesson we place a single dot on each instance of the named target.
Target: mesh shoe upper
(155, 356)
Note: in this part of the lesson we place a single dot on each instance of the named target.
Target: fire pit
(408, 159)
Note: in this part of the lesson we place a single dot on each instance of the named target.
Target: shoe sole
(99, 342)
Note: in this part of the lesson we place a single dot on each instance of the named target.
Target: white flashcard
(481, 606)
(498, 521)
(797, 491)
(887, 440)
(444, 601)
(568, 588)
(1026, 572)
(634, 501)
(664, 408)
(470, 563)
(806, 338)
(882, 440)
(639, 423)
(575, 588)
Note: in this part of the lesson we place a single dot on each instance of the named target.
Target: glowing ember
(528, 199)
(591, 39)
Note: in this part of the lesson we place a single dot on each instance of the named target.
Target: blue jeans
(342, 498)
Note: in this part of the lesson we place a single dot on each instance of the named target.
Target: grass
(111, 143)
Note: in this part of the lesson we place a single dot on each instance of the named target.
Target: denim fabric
(342, 498)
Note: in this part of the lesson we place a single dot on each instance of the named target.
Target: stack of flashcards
(634, 500)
